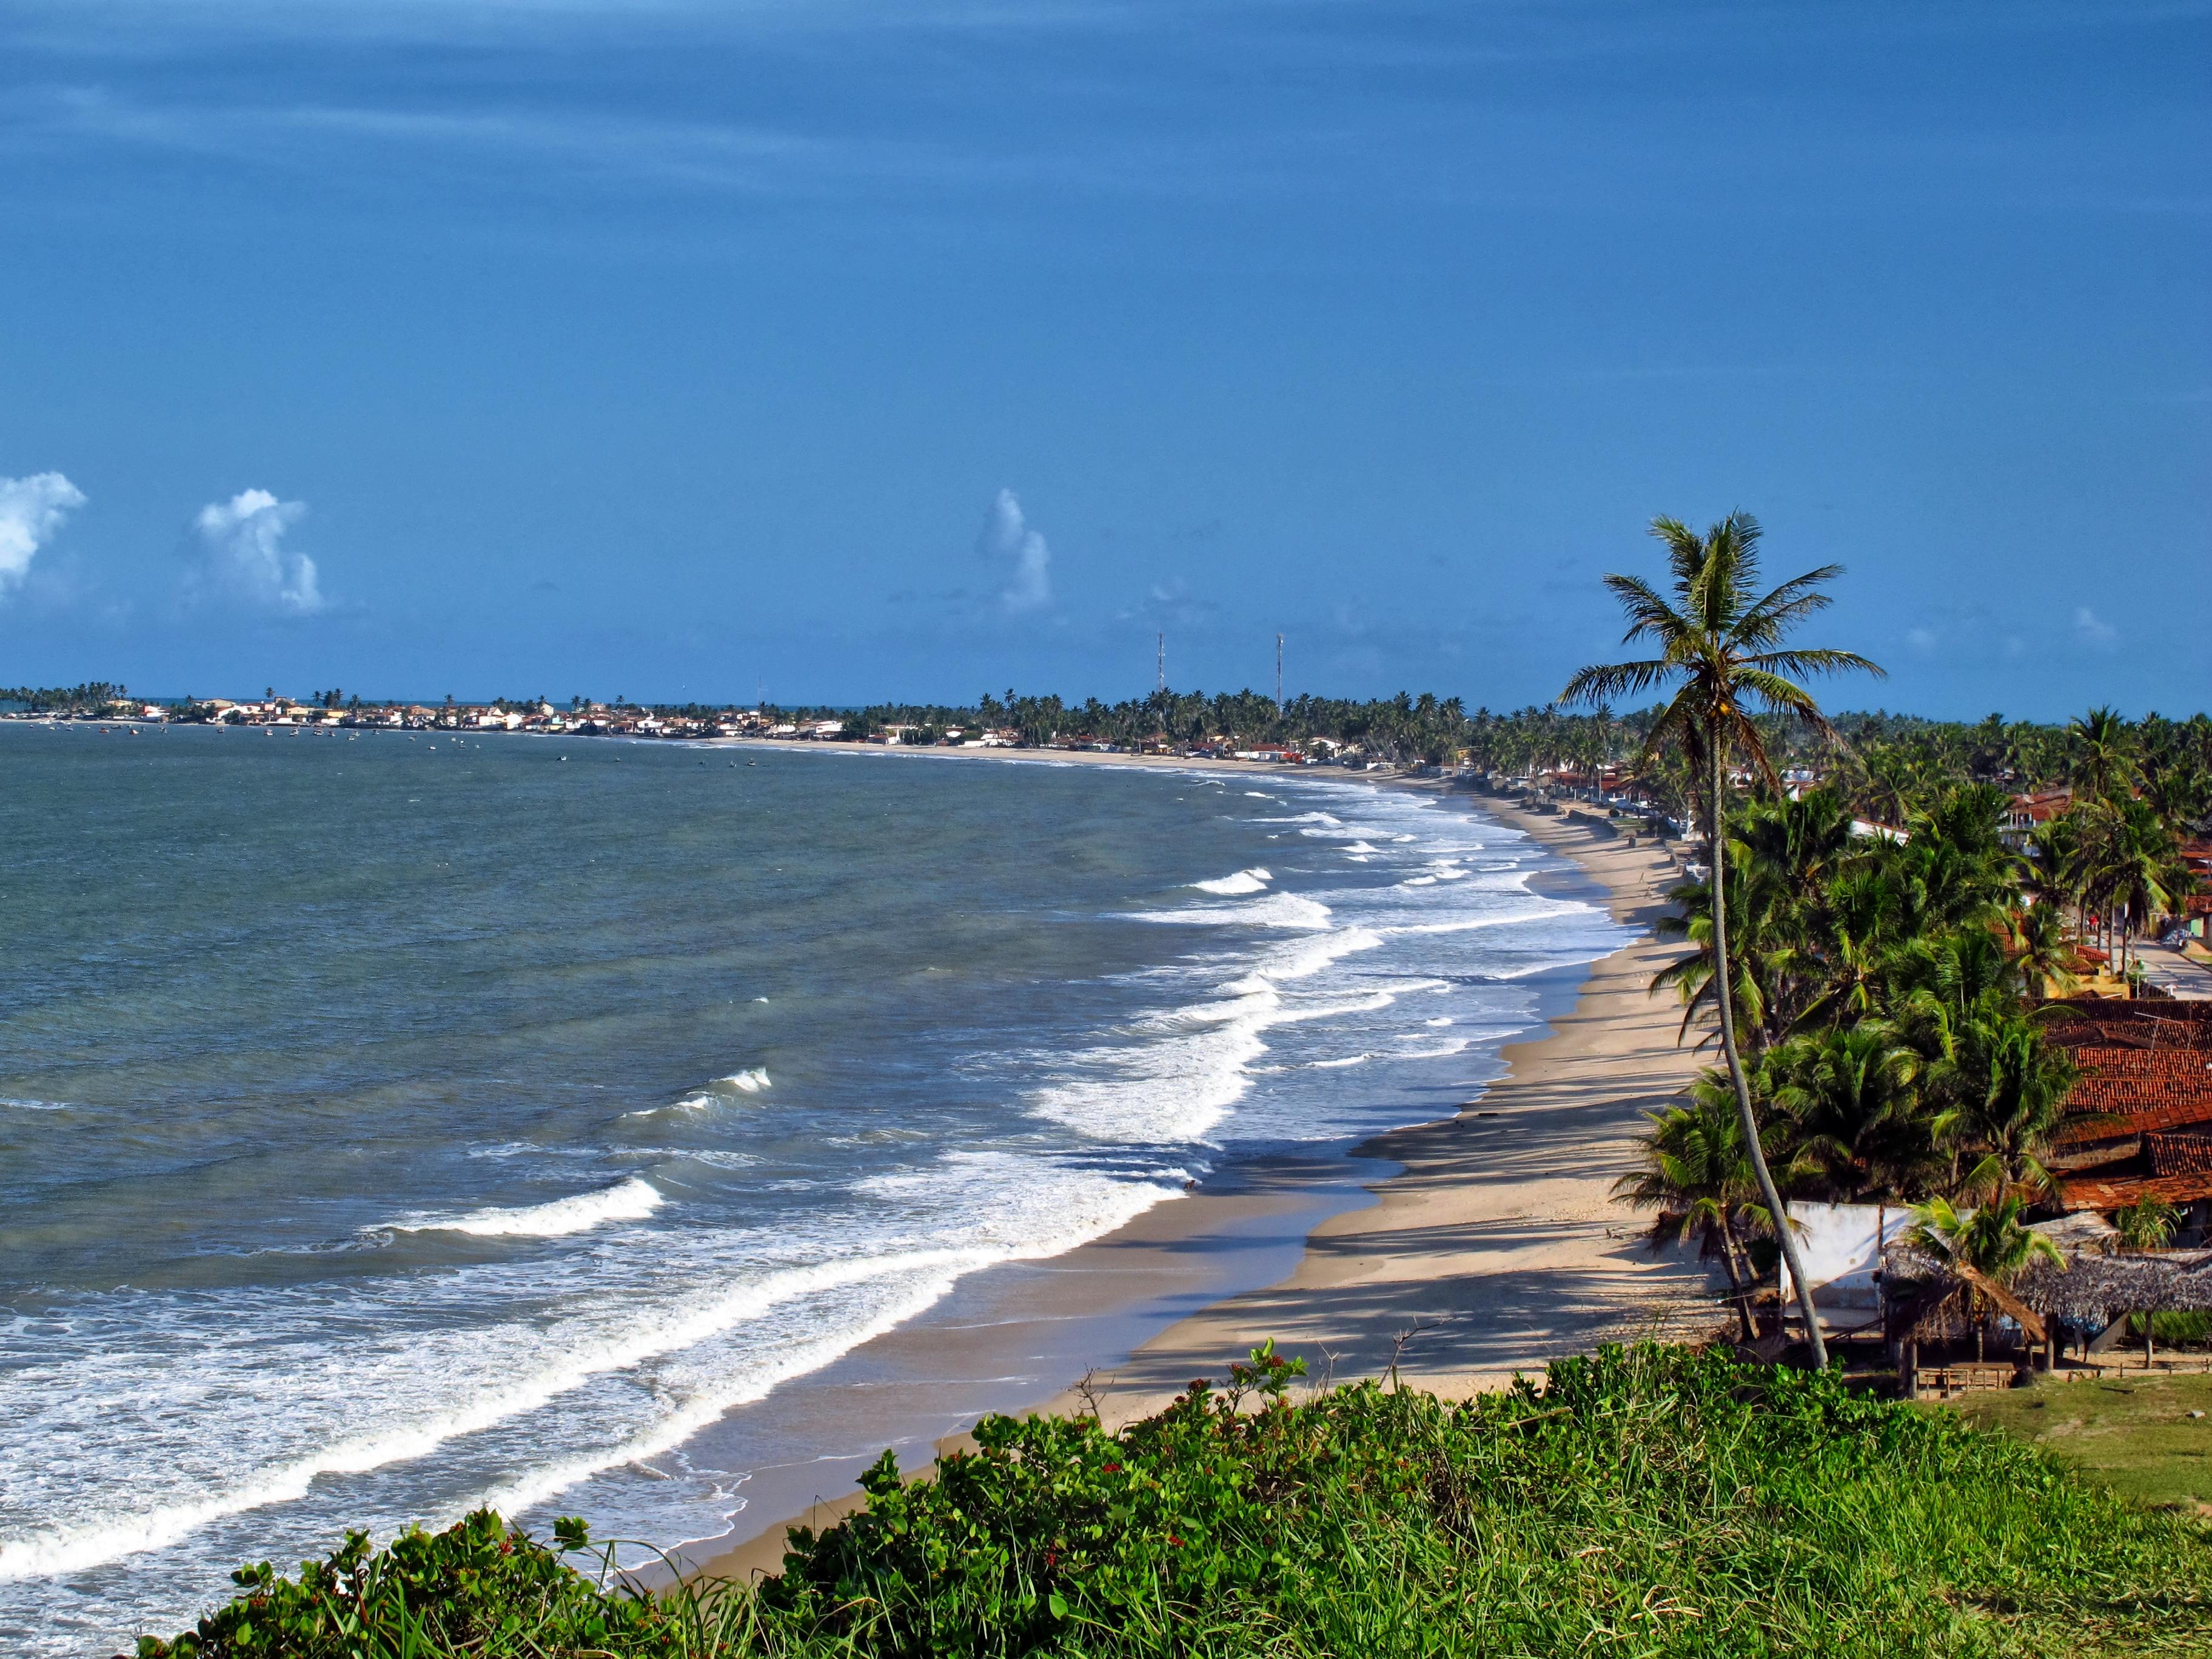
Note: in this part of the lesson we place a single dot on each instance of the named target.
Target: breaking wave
(1244, 881)
(633, 1200)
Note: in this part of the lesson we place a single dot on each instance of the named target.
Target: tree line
(94, 697)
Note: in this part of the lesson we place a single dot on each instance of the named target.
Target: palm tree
(2059, 865)
(1858, 1114)
(2148, 1223)
(1721, 650)
(2104, 747)
(1696, 1177)
(1941, 980)
(1760, 948)
(2009, 1086)
(2144, 875)
(1859, 919)
(2042, 953)
(2179, 794)
(1894, 781)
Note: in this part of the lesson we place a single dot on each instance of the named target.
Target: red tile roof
(2112, 1192)
(2144, 1096)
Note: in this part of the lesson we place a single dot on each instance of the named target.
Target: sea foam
(1244, 881)
(1289, 910)
(632, 1200)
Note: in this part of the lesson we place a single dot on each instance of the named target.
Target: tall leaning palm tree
(1722, 654)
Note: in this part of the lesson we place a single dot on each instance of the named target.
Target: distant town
(581, 718)
(1884, 766)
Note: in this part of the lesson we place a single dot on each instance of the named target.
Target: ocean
(394, 1123)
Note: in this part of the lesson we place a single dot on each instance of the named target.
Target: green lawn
(2135, 1436)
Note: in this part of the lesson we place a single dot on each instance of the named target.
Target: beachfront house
(2027, 813)
(2196, 919)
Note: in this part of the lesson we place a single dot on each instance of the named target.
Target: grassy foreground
(1649, 1501)
(2133, 1434)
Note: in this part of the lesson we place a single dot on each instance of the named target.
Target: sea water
(395, 1123)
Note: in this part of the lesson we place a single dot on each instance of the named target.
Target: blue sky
(858, 351)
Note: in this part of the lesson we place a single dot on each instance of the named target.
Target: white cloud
(1920, 638)
(1008, 541)
(30, 510)
(242, 557)
(2095, 631)
(1170, 604)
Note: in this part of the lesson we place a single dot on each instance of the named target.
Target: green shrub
(2173, 1328)
(477, 1587)
(1647, 1501)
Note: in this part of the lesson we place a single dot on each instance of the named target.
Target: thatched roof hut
(2093, 1291)
(1949, 1301)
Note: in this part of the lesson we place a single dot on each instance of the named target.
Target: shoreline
(1500, 1248)
(1497, 1246)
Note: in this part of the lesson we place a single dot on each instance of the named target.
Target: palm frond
(1685, 549)
(1783, 695)
(1816, 661)
(1648, 613)
(1745, 738)
(1772, 618)
(1798, 597)
(1605, 682)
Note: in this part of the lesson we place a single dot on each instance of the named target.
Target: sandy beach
(1468, 1248)
(1499, 1246)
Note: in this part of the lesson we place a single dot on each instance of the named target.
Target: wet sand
(1468, 1249)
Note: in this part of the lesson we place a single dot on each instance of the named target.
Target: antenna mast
(1164, 661)
(1279, 674)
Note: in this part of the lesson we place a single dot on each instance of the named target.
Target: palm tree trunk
(1717, 843)
(1739, 1293)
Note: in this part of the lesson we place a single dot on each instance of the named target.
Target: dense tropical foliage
(1888, 986)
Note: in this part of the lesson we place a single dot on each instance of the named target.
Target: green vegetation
(1884, 988)
(1870, 994)
(1992, 1239)
(2149, 1224)
(2175, 1328)
(93, 697)
(1900, 764)
(1650, 1501)
(2134, 1435)
(1405, 729)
